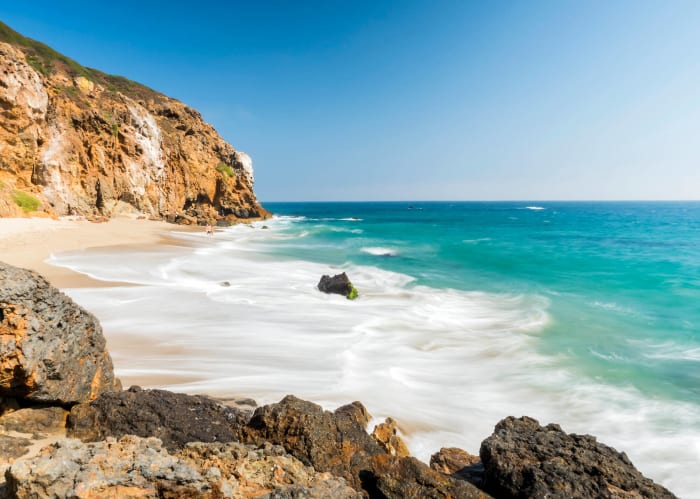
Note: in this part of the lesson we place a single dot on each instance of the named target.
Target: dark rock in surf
(523, 459)
(338, 284)
(174, 418)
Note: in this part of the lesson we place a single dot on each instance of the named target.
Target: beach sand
(29, 242)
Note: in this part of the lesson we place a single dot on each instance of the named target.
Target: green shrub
(353, 293)
(25, 201)
(226, 170)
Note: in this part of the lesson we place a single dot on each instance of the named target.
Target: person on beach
(210, 230)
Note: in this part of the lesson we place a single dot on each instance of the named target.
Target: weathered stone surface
(523, 459)
(387, 435)
(458, 464)
(265, 471)
(397, 478)
(51, 349)
(100, 144)
(12, 447)
(36, 421)
(338, 284)
(175, 418)
(329, 441)
(137, 467)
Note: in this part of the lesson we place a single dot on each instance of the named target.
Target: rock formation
(397, 478)
(51, 349)
(141, 467)
(174, 418)
(76, 140)
(338, 284)
(523, 459)
(329, 441)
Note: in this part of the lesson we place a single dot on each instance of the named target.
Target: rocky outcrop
(138, 467)
(174, 418)
(51, 349)
(397, 478)
(74, 140)
(338, 284)
(329, 441)
(458, 464)
(387, 436)
(523, 459)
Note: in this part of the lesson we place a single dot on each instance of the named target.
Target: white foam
(535, 208)
(379, 251)
(447, 364)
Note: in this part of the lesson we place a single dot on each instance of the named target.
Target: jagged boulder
(329, 441)
(174, 418)
(338, 284)
(523, 459)
(397, 478)
(139, 467)
(51, 349)
(387, 435)
(458, 464)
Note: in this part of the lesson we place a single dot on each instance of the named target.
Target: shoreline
(30, 242)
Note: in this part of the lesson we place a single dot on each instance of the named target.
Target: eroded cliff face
(82, 142)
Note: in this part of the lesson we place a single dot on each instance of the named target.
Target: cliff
(74, 140)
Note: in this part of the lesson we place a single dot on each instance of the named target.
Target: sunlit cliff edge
(74, 140)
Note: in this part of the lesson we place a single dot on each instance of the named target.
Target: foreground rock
(523, 459)
(338, 284)
(458, 464)
(138, 467)
(174, 418)
(51, 349)
(329, 441)
(397, 478)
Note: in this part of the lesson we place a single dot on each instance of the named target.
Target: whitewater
(465, 316)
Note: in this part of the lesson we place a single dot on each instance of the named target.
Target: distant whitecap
(379, 251)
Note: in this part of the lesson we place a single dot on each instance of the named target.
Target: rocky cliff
(74, 140)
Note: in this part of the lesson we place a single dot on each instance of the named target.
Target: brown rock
(12, 448)
(523, 459)
(329, 441)
(458, 464)
(397, 478)
(51, 350)
(386, 434)
(37, 421)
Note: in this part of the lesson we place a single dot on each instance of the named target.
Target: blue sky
(416, 100)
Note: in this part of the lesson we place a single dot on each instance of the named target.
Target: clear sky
(411, 100)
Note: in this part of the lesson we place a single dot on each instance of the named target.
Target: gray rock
(52, 350)
(141, 467)
(525, 460)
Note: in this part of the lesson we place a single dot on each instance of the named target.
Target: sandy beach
(29, 242)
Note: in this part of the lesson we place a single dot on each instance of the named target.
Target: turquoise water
(623, 279)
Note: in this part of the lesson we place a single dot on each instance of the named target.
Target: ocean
(583, 314)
